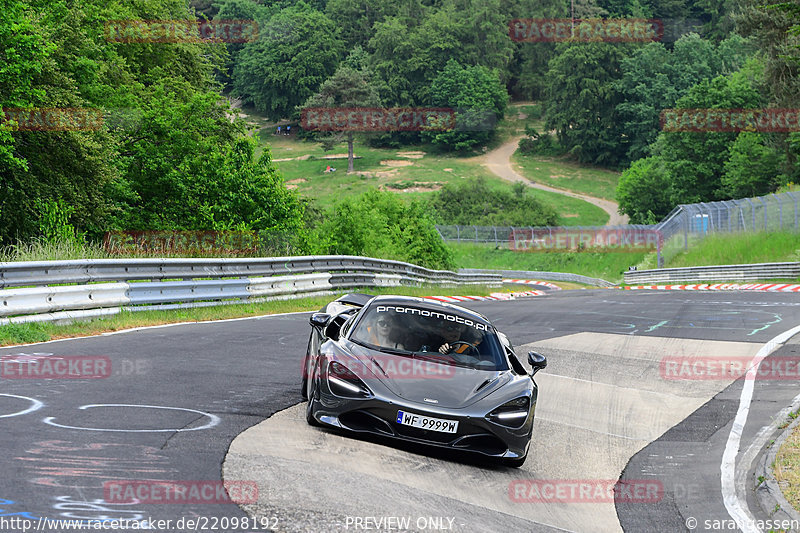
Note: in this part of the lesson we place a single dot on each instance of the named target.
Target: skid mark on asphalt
(602, 399)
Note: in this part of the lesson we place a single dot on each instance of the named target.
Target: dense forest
(169, 154)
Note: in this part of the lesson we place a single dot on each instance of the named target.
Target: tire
(304, 380)
(310, 410)
(305, 369)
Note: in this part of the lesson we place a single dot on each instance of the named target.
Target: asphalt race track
(193, 402)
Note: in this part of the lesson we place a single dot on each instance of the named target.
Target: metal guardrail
(753, 272)
(35, 273)
(548, 276)
(56, 290)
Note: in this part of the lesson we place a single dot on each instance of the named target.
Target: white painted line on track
(735, 504)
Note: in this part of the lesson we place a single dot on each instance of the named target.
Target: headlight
(512, 414)
(343, 382)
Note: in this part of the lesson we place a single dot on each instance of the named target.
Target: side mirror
(537, 362)
(319, 320)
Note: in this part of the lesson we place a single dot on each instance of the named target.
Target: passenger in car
(383, 332)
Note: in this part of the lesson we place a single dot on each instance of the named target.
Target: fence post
(458, 233)
(476, 233)
(795, 208)
(686, 221)
(766, 208)
(780, 211)
(753, 209)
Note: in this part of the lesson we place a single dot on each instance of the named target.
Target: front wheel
(310, 409)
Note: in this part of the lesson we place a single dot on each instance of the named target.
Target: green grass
(573, 212)
(513, 126)
(563, 173)
(12, 334)
(787, 468)
(608, 266)
(416, 180)
(737, 248)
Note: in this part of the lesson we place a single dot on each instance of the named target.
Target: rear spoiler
(357, 299)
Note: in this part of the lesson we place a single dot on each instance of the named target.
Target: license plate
(427, 422)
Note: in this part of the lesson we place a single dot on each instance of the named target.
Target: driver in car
(451, 333)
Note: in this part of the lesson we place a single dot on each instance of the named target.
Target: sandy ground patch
(411, 155)
(301, 158)
(291, 186)
(570, 215)
(417, 187)
(447, 169)
(297, 180)
(338, 156)
(387, 173)
(396, 163)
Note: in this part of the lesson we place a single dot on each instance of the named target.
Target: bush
(378, 224)
(475, 203)
(536, 143)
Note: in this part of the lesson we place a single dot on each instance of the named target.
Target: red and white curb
(500, 295)
(492, 296)
(547, 284)
(770, 287)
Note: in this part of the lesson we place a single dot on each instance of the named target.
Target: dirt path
(499, 162)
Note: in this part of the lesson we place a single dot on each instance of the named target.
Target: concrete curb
(769, 494)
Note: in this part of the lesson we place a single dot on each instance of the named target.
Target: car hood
(430, 383)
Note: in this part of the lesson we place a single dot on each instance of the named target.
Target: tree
(297, 50)
(695, 160)
(349, 87)
(653, 78)
(356, 18)
(407, 54)
(752, 169)
(643, 191)
(478, 98)
(582, 96)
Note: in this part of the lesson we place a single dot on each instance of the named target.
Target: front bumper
(377, 416)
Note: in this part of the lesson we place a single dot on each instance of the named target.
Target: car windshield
(439, 335)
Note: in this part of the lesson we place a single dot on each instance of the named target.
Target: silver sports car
(420, 371)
